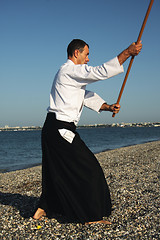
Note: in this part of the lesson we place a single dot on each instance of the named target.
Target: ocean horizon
(22, 149)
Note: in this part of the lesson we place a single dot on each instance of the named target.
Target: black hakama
(73, 183)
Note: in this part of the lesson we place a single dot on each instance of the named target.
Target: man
(73, 183)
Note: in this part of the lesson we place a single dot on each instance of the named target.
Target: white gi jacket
(69, 95)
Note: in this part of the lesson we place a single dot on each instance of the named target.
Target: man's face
(82, 57)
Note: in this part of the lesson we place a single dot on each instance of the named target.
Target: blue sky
(34, 38)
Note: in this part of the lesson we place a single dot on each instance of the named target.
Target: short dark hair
(76, 44)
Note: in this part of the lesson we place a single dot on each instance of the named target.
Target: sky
(33, 43)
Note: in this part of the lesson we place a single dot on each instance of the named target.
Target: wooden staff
(132, 58)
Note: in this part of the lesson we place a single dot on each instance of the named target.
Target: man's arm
(133, 50)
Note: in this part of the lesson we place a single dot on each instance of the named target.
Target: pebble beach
(133, 175)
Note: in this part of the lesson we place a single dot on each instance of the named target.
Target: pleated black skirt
(73, 183)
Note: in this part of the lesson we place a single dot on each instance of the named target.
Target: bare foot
(101, 221)
(39, 214)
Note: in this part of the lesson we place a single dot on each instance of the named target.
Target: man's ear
(76, 53)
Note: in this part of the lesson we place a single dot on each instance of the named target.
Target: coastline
(31, 165)
(132, 173)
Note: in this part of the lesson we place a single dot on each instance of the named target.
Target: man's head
(78, 51)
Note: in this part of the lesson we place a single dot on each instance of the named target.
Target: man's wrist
(105, 107)
(127, 53)
(108, 107)
(123, 56)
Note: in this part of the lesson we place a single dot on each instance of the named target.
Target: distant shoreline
(123, 125)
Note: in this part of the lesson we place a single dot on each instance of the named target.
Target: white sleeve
(93, 101)
(87, 74)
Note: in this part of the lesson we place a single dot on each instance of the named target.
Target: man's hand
(133, 50)
(111, 108)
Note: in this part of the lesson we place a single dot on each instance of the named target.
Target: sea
(22, 149)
